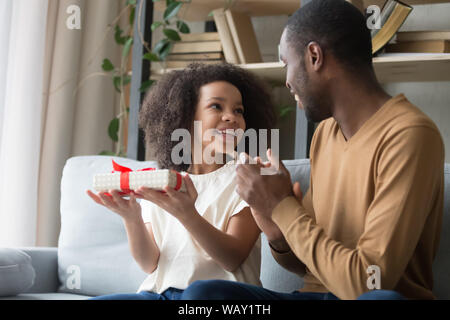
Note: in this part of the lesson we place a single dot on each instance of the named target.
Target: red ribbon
(125, 178)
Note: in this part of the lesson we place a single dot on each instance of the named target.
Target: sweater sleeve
(409, 174)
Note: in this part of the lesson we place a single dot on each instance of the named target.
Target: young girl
(207, 232)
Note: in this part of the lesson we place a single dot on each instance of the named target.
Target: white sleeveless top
(182, 260)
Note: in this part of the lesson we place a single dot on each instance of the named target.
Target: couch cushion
(441, 265)
(16, 272)
(93, 253)
(47, 296)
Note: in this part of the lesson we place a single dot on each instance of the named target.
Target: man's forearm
(284, 256)
(279, 245)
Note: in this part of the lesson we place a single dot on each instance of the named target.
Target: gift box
(126, 180)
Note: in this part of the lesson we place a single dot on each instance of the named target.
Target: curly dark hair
(171, 104)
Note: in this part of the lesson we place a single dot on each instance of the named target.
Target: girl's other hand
(179, 204)
(129, 210)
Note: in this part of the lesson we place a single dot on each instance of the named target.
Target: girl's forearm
(142, 246)
(222, 247)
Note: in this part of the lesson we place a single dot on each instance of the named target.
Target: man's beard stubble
(314, 104)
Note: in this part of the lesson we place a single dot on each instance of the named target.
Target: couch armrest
(45, 264)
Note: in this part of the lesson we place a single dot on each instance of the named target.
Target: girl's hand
(179, 204)
(129, 210)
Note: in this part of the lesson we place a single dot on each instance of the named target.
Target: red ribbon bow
(125, 178)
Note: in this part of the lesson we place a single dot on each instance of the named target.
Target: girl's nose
(229, 117)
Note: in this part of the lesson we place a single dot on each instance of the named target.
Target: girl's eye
(241, 111)
(215, 106)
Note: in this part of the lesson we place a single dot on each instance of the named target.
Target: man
(376, 190)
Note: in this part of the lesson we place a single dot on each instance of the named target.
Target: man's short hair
(337, 26)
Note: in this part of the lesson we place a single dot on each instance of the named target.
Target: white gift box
(156, 179)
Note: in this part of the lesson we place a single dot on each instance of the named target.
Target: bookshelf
(388, 68)
(410, 2)
(198, 10)
(398, 68)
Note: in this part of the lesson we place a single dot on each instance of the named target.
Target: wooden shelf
(388, 68)
(198, 10)
(410, 2)
(412, 67)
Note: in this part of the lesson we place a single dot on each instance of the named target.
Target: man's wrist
(275, 202)
(279, 245)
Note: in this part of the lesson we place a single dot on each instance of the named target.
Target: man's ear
(314, 55)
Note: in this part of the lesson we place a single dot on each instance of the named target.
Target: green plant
(285, 110)
(171, 26)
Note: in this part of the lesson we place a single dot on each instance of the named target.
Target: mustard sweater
(374, 200)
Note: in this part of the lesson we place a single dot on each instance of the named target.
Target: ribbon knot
(125, 176)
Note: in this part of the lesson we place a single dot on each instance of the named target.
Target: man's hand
(263, 192)
(270, 229)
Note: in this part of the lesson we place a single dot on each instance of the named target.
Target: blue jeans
(168, 294)
(230, 290)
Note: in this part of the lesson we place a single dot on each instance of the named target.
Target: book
(229, 49)
(423, 35)
(384, 15)
(427, 46)
(197, 47)
(244, 37)
(203, 36)
(195, 56)
(393, 22)
(183, 64)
